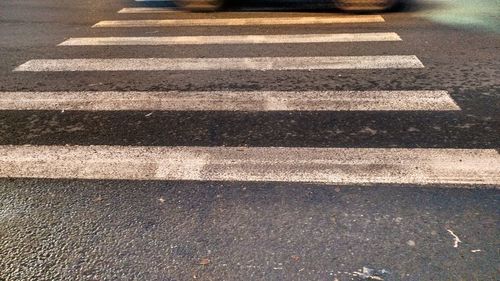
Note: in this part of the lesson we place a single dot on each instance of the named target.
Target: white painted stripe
(241, 21)
(162, 10)
(313, 165)
(230, 101)
(236, 39)
(254, 63)
(144, 10)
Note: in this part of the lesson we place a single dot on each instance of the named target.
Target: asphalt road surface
(139, 142)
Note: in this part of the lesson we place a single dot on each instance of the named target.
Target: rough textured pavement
(163, 231)
(144, 230)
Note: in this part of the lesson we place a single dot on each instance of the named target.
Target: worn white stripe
(241, 21)
(157, 10)
(315, 165)
(230, 101)
(254, 63)
(236, 39)
(162, 10)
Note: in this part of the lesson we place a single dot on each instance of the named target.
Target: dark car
(346, 5)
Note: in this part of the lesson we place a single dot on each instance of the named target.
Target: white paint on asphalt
(231, 101)
(236, 39)
(252, 63)
(273, 164)
(241, 21)
(456, 239)
(146, 10)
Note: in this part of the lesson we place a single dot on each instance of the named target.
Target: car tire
(365, 5)
(200, 5)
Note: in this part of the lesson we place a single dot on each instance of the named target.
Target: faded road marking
(251, 63)
(236, 39)
(242, 21)
(231, 101)
(258, 164)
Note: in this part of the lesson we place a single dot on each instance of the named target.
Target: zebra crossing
(250, 63)
(231, 101)
(275, 164)
(313, 165)
(240, 21)
(236, 39)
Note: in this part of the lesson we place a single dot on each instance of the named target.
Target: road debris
(368, 130)
(371, 274)
(204, 261)
(456, 239)
(475, 251)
